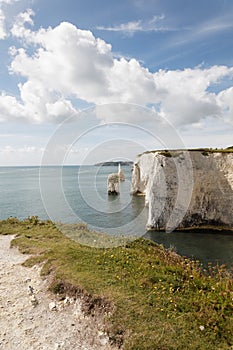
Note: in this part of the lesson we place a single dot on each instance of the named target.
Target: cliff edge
(186, 188)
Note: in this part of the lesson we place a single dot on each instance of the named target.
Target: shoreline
(198, 229)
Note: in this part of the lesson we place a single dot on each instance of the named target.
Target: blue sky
(159, 65)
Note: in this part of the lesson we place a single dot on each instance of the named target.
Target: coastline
(199, 229)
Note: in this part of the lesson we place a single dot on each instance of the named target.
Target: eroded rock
(185, 189)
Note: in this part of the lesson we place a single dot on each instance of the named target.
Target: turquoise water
(74, 194)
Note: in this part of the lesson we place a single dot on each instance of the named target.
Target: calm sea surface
(73, 194)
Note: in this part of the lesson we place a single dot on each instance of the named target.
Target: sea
(74, 194)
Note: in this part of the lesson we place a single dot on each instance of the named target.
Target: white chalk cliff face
(186, 189)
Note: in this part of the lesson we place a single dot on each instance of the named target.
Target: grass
(158, 299)
(82, 234)
(177, 152)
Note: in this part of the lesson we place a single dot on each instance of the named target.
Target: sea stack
(113, 184)
(121, 173)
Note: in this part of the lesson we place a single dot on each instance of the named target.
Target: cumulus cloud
(10, 108)
(225, 100)
(187, 99)
(65, 63)
(18, 30)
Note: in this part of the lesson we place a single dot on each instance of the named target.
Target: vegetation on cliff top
(161, 300)
(177, 152)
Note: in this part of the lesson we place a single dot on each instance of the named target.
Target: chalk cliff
(186, 189)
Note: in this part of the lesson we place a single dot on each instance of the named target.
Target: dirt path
(32, 319)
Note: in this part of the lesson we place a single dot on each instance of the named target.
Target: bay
(73, 194)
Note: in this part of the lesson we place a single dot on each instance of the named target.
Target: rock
(34, 300)
(104, 340)
(113, 184)
(52, 306)
(121, 173)
(68, 301)
(185, 189)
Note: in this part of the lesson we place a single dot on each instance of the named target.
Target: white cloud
(18, 30)
(132, 27)
(215, 25)
(187, 99)
(10, 108)
(66, 63)
(129, 27)
(2, 25)
(203, 30)
(7, 1)
(26, 155)
(26, 149)
(3, 29)
(225, 100)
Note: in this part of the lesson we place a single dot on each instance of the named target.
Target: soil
(32, 318)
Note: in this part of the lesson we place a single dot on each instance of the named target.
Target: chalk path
(32, 318)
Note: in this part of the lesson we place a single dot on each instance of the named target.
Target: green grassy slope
(158, 299)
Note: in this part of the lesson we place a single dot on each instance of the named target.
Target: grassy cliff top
(204, 151)
(158, 299)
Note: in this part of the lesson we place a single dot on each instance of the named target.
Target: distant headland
(122, 163)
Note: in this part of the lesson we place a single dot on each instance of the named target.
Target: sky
(83, 81)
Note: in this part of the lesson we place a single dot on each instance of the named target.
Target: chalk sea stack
(121, 173)
(113, 184)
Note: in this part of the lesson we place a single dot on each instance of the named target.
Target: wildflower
(201, 328)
